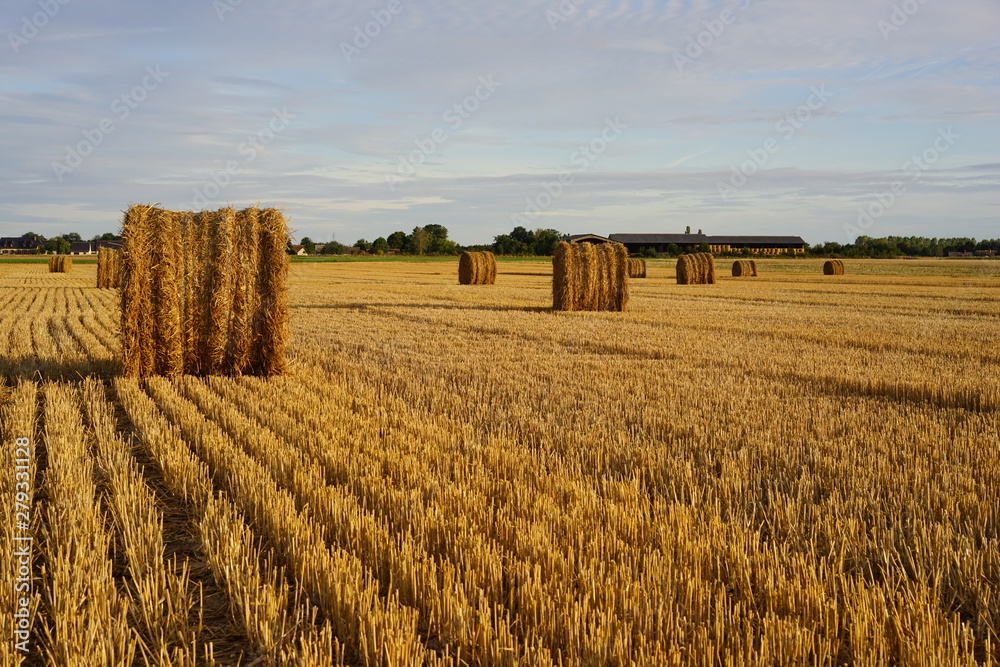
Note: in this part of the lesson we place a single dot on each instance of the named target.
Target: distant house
(299, 250)
(10, 245)
(761, 245)
(91, 247)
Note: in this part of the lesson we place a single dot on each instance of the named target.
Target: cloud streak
(352, 120)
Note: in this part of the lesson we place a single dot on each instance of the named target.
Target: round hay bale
(564, 277)
(833, 267)
(685, 269)
(466, 268)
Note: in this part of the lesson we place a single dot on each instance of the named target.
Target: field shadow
(437, 306)
(34, 368)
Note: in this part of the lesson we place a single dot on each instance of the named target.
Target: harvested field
(663, 486)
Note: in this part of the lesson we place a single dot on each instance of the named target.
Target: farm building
(17, 245)
(91, 247)
(762, 245)
(586, 238)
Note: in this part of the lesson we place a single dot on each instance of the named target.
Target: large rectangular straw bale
(204, 293)
(590, 277)
(109, 268)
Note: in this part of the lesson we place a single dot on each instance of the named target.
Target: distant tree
(546, 241)
(397, 240)
(647, 252)
(106, 236)
(333, 248)
(421, 240)
(363, 244)
(379, 246)
(506, 245)
(72, 237)
(704, 247)
(687, 230)
(438, 235)
(522, 235)
(33, 236)
(699, 232)
(309, 245)
(57, 245)
(672, 249)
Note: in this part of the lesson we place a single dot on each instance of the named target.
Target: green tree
(363, 244)
(421, 240)
(309, 245)
(704, 247)
(57, 245)
(687, 230)
(72, 237)
(438, 236)
(506, 245)
(379, 246)
(546, 241)
(397, 240)
(333, 248)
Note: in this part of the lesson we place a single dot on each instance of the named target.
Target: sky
(825, 120)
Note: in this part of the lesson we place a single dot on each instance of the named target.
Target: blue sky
(818, 119)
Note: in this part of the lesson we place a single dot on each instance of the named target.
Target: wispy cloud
(354, 119)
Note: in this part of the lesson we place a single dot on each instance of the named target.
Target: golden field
(794, 469)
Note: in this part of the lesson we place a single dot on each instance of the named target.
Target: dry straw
(637, 268)
(109, 268)
(60, 263)
(833, 267)
(590, 277)
(205, 293)
(744, 268)
(477, 268)
(696, 269)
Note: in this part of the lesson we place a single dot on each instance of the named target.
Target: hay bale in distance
(60, 263)
(637, 268)
(696, 269)
(744, 268)
(589, 277)
(205, 293)
(833, 267)
(477, 268)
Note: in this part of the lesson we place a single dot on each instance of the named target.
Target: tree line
(433, 240)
